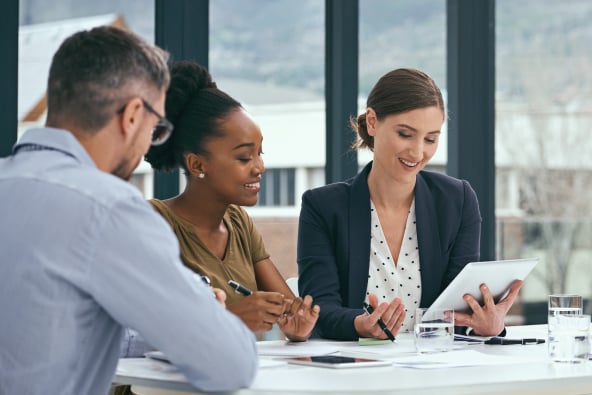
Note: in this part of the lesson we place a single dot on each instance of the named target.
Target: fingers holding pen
(391, 314)
(378, 327)
(259, 310)
(394, 315)
(272, 302)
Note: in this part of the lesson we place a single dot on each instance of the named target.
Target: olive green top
(245, 248)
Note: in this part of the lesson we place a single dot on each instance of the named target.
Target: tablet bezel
(498, 275)
(358, 362)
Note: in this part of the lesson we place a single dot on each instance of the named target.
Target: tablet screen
(498, 275)
(336, 361)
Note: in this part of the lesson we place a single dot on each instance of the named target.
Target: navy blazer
(334, 244)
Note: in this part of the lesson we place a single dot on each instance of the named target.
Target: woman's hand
(260, 310)
(299, 318)
(392, 315)
(488, 320)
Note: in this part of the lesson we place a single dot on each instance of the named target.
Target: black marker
(504, 341)
(368, 309)
(239, 288)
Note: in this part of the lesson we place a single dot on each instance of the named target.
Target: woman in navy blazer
(336, 240)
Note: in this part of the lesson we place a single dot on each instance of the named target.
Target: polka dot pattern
(388, 281)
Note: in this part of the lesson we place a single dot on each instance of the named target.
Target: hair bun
(187, 79)
(194, 104)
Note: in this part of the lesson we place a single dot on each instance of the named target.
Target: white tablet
(337, 361)
(498, 275)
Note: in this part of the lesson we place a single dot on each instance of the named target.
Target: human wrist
(471, 332)
(295, 338)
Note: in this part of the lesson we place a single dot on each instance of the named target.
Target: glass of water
(564, 304)
(568, 329)
(434, 330)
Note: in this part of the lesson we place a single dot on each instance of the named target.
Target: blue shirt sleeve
(145, 286)
(133, 345)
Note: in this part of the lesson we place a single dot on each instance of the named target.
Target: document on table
(403, 345)
(452, 359)
(295, 349)
(263, 362)
(150, 369)
(270, 363)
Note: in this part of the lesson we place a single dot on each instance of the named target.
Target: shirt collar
(54, 139)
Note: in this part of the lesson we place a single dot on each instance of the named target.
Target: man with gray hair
(83, 254)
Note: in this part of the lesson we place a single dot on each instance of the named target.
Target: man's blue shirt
(84, 255)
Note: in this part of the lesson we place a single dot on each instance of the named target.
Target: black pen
(207, 282)
(504, 341)
(239, 288)
(368, 309)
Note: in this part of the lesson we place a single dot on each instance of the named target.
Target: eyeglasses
(163, 129)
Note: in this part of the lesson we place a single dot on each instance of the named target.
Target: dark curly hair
(195, 105)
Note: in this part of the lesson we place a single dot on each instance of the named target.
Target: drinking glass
(434, 330)
(565, 304)
(568, 329)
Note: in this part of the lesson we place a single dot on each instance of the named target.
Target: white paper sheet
(459, 358)
(295, 349)
(383, 350)
(270, 363)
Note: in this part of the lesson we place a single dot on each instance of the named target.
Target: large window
(395, 34)
(43, 27)
(277, 188)
(543, 161)
(269, 55)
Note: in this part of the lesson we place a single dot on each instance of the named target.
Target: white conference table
(517, 369)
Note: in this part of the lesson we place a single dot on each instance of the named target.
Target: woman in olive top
(219, 148)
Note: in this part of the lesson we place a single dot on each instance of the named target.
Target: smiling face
(234, 166)
(405, 142)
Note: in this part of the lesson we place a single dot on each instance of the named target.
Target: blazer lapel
(428, 238)
(359, 238)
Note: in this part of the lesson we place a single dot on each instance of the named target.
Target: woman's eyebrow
(404, 125)
(243, 145)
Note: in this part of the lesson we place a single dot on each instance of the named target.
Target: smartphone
(337, 361)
